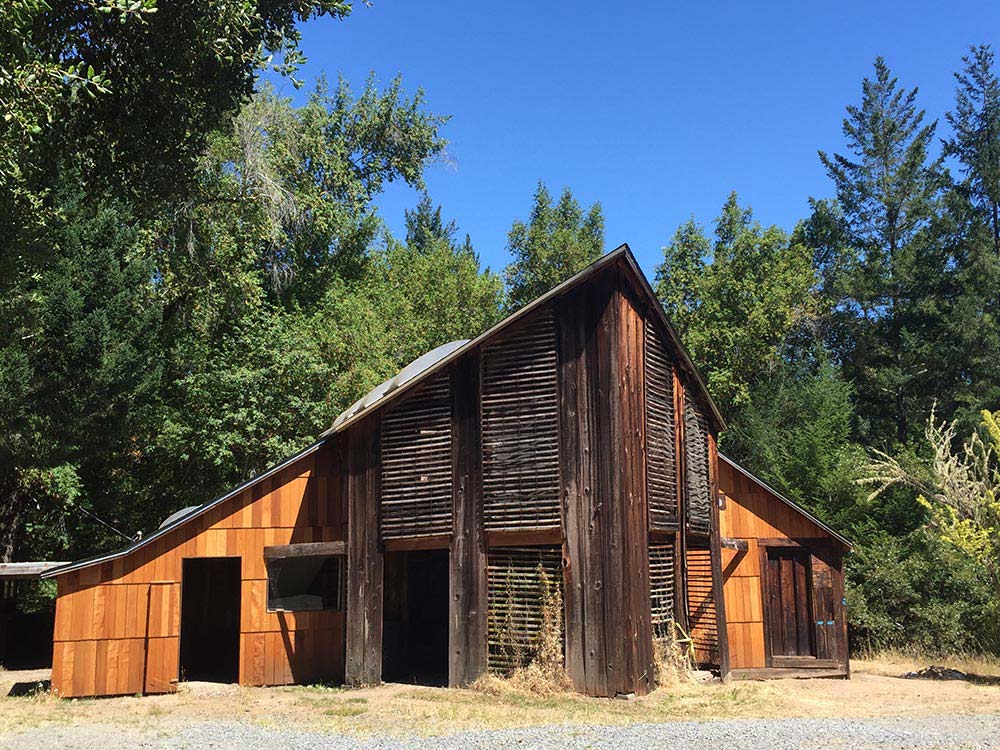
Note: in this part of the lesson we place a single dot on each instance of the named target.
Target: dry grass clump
(673, 657)
(545, 671)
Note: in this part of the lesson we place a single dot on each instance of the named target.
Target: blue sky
(658, 110)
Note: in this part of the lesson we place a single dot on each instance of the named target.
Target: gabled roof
(790, 503)
(396, 387)
(621, 253)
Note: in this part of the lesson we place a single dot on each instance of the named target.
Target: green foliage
(795, 433)
(735, 307)
(558, 240)
(887, 284)
(915, 592)
(976, 140)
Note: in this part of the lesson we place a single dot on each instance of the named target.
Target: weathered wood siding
(661, 437)
(364, 554)
(754, 515)
(520, 427)
(698, 499)
(416, 464)
(120, 620)
(702, 615)
(609, 626)
(468, 607)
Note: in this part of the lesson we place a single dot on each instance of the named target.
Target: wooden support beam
(364, 556)
(524, 538)
(468, 605)
(741, 545)
(417, 543)
(306, 549)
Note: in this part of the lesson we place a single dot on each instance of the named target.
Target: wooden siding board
(468, 608)
(364, 558)
(110, 610)
(752, 513)
(579, 315)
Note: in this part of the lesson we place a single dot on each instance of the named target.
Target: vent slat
(701, 606)
(661, 588)
(520, 428)
(661, 453)
(516, 594)
(699, 494)
(416, 464)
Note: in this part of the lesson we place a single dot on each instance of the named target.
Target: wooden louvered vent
(701, 606)
(699, 489)
(521, 428)
(416, 464)
(521, 582)
(661, 588)
(661, 458)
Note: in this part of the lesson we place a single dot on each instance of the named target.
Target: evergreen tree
(976, 140)
(558, 240)
(887, 306)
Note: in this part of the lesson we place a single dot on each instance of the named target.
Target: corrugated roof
(790, 503)
(417, 372)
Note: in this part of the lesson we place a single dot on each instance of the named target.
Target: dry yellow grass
(409, 710)
(895, 663)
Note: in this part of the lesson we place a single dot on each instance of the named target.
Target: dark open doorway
(415, 627)
(210, 619)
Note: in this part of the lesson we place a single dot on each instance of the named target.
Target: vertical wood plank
(467, 612)
(364, 556)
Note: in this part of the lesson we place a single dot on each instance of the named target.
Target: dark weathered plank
(639, 662)
(468, 607)
(364, 557)
(305, 549)
(579, 314)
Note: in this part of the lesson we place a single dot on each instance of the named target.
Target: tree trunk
(10, 516)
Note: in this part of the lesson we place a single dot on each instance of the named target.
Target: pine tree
(976, 142)
(891, 272)
(558, 240)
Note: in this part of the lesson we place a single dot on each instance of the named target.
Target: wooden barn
(559, 471)
(783, 582)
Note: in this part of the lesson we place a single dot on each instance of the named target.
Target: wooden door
(789, 606)
(824, 613)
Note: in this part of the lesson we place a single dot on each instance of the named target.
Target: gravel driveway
(853, 734)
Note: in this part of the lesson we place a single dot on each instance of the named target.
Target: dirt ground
(875, 690)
